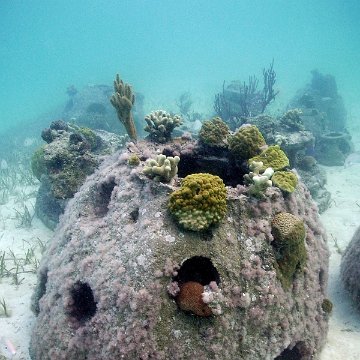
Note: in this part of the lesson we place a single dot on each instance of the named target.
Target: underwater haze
(164, 48)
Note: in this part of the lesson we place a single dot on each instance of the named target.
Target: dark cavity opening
(298, 352)
(199, 269)
(103, 198)
(57, 164)
(40, 291)
(134, 215)
(213, 161)
(322, 278)
(83, 305)
(225, 168)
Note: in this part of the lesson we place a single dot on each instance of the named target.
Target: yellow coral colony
(200, 202)
(123, 100)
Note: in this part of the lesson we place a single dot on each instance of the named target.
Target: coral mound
(214, 132)
(109, 284)
(350, 268)
(246, 142)
(290, 252)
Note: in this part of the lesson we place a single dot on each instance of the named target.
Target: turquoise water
(164, 48)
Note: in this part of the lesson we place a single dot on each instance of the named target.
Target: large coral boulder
(350, 268)
(121, 279)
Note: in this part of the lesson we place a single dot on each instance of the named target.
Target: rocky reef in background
(146, 265)
(70, 153)
(323, 113)
(91, 107)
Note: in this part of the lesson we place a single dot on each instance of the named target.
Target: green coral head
(246, 142)
(214, 132)
(38, 163)
(327, 306)
(133, 160)
(289, 246)
(285, 181)
(272, 157)
(200, 202)
(90, 137)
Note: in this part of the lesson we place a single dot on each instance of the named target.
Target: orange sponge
(190, 299)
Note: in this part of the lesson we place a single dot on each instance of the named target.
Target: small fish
(9, 346)
(3, 164)
(352, 159)
(326, 99)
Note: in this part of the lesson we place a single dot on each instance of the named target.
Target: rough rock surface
(62, 164)
(350, 268)
(106, 283)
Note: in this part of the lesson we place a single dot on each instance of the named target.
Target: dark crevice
(298, 352)
(83, 306)
(134, 215)
(224, 167)
(199, 269)
(40, 291)
(103, 197)
(322, 277)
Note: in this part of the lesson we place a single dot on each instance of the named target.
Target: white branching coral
(164, 168)
(160, 125)
(258, 182)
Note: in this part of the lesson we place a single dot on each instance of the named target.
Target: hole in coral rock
(199, 269)
(57, 164)
(103, 197)
(322, 281)
(298, 352)
(83, 305)
(192, 277)
(206, 235)
(225, 168)
(134, 215)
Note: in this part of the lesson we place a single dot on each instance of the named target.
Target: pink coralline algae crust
(350, 268)
(108, 282)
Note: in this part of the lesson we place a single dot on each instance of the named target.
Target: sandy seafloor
(340, 221)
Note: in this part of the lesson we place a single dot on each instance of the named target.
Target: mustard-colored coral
(133, 160)
(200, 202)
(289, 246)
(285, 180)
(123, 100)
(214, 132)
(272, 157)
(246, 142)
